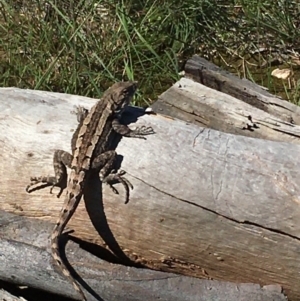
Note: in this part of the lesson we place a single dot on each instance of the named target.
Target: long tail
(65, 215)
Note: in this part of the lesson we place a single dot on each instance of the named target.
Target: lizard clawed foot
(118, 177)
(142, 131)
(60, 190)
(48, 181)
(34, 181)
(80, 113)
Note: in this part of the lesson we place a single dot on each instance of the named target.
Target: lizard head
(121, 94)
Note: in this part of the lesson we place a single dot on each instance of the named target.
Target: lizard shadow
(93, 195)
(131, 114)
(93, 198)
(64, 239)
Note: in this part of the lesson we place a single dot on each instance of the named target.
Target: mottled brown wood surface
(205, 203)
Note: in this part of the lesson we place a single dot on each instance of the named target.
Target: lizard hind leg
(104, 163)
(118, 177)
(61, 159)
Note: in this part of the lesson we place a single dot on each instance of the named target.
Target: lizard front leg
(125, 131)
(104, 163)
(61, 160)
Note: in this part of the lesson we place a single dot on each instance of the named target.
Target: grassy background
(83, 47)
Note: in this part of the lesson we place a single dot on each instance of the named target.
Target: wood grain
(210, 75)
(190, 101)
(25, 260)
(205, 203)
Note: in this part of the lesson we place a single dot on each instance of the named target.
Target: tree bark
(205, 203)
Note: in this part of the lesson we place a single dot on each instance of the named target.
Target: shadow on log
(29, 265)
(205, 203)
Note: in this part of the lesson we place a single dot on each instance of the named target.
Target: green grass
(147, 41)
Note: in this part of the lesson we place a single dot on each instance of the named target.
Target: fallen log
(205, 203)
(189, 101)
(212, 76)
(25, 259)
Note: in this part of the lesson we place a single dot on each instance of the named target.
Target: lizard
(91, 152)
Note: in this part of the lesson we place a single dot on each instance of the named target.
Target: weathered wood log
(24, 259)
(205, 203)
(188, 100)
(214, 77)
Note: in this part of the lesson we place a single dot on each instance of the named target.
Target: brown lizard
(91, 152)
